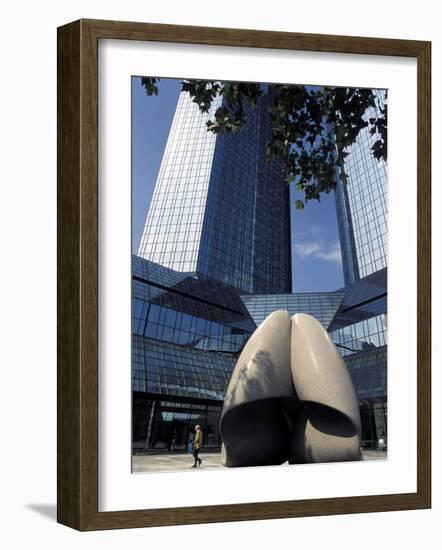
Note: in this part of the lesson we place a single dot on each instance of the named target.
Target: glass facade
(360, 333)
(350, 266)
(246, 230)
(219, 207)
(362, 205)
(373, 423)
(368, 371)
(322, 305)
(161, 425)
(170, 370)
(172, 232)
(187, 330)
(362, 336)
(214, 262)
(362, 300)
(358, 327)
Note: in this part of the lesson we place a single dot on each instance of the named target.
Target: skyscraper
(359, 328)
(361, 206)
(219, 207)
(214, 261)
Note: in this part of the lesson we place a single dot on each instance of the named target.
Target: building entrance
(166, 426)
(374, 424)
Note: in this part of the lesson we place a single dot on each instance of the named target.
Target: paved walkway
(168, 461)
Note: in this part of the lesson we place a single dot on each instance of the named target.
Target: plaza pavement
(167, 462)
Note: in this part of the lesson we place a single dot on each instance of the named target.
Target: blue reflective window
(154, 313)
(137, 307)
(201, 326)
(170, 318)
(151, 330)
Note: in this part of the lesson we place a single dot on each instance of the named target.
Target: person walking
(197, 443)
(190, 444)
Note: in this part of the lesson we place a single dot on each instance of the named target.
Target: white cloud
(331, 255)
(307, 249)
(314, 229)
(318, 250)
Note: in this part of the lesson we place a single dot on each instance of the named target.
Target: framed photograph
(229, 205)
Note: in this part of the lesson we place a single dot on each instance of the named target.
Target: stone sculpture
(290, 398)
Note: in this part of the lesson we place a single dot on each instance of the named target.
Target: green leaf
(311, 129)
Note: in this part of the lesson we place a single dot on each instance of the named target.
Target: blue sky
(316, 257)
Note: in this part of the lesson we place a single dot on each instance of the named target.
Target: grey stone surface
(329, 427)
(253, 424)
(290, 397)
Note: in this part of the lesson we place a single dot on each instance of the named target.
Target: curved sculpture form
(328, 428)
(290, 397)
(253, 425)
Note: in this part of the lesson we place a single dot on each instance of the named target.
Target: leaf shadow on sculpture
(264, 422)
(253, 380)
(255, 429)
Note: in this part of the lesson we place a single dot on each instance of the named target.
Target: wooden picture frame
(77, 462)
